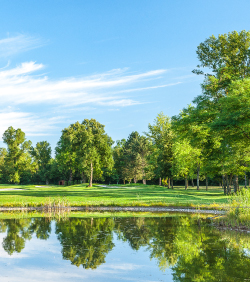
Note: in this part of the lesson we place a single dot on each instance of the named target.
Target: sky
(119, 62)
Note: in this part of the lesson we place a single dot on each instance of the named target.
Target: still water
(89, 248)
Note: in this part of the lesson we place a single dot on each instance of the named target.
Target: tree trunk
(91, 175)
(159, 181)
(124, 181)
(47, 181)
(192, 182)
(172, 183)
(198, 177)
(236, 184)
(144, 181)
(224, 184)
(186, 183)
(245, 180)
(168, 183)
(228, 185)
(135, 180)
(206, 183)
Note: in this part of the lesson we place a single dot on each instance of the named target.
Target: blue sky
(120, 62)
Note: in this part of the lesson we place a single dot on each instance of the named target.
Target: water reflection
(191, 252)
(86, 242)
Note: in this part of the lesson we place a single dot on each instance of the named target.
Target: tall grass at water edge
(238, 210)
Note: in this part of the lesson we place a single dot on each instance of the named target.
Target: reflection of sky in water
(247, 253)
(41, 260)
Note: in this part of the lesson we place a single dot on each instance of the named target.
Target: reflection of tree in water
(194, 253)
(206, 254)
(133, 230)
(86, 241)
(42, 227)
(162, 247)
(157, 234)
(17, 234)
(20, 230)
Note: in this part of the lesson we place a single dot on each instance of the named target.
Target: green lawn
(124, 195)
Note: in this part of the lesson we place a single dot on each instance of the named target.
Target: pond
(100, 247)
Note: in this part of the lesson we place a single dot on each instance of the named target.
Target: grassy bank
(238, 211)
(96, 214)
(113, 195)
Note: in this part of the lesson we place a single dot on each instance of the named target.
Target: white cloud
(17, 44)
(150, 87)
(19, 85)
(22, 86)
(31, 124)
(120, 103)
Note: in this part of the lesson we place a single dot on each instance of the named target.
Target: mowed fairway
(116, 195)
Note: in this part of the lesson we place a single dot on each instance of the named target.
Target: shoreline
(107, 208)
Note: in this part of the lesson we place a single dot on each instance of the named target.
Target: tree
(185, 159)
(85, 147)
(225, 98)
(161, 135)
(3, 154)
(42, 155)
(193, 124)
(228, 57)
(17, 162)
(136, 151)
(65, 154)
(118, 156)
(93, 146)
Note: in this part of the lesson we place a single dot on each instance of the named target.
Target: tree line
(208, 140)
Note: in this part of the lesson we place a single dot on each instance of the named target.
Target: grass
(113, 195)
(96, 214)
(238, 211)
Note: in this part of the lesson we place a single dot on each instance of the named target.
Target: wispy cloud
(20, 43)
(147, 88)
(20, 85)
(30, 123)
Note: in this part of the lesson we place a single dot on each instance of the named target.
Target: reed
(237, 211)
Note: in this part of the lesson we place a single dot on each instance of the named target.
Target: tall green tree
(118, 156)
(136, 152)
(3, 154)
(85, 147)
(65, 154)
(228, 58)
(161, 135)
(17, 162)
(42, 155)
(222, 102)
(193, 124)
(93, 147)
(184, 160)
